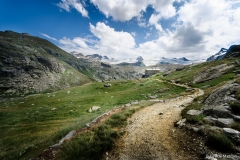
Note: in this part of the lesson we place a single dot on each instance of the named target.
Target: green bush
(235, 126)
(219, 141)
(235, 106)
(238, 95)
(90, 145)
(116, 120)
(196, 119)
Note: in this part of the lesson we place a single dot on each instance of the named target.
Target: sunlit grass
(31, 124)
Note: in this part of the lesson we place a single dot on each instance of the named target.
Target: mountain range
(134, 62)
(223, 52)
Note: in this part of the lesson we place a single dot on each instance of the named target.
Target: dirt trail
(153, 136)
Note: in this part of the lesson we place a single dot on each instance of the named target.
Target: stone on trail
(181, 123)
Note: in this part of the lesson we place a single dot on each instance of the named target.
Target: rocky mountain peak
(184, 59)
(139, 59)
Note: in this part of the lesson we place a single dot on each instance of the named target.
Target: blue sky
(123, 29)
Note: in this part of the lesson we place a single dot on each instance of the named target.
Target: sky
(121, 29)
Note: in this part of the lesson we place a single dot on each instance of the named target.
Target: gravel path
(150, 135)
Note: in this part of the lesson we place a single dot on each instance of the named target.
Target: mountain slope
(31, 64)
(233, 51)
(218, 55)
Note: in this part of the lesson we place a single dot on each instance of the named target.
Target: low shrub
(235, 106)
(118, 119)
(90, 145)
(219, 142)
(238, 95)
(235, 126)
(93, 144)
(196, 119)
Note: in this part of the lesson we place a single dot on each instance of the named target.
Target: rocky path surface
(150, 133)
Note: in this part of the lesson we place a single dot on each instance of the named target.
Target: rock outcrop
(222, 95)
(233, 51)
(212, 73)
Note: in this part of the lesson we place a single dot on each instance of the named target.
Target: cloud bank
(199, 28)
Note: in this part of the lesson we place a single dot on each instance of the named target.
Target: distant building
(150, 72)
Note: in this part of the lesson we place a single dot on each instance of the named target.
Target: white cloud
(134, 34)
(111, 38)
(201, 29)
(217, 20)
(49, 37)
(75, 43)
(154, 20)
(124, 10)
(76, 4)
(147, 35)
(141, 21)
(115, 44)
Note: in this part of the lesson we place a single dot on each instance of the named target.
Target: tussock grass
(219, 141)
(93, 144)
(195, 119)
(235, 106)
(236, 126)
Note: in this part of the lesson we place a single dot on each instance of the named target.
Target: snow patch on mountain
(218, 55)
(144, 62)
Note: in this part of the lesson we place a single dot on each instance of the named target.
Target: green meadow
(33, 123)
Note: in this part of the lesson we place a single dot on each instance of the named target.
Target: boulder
(180, 68)
(134, 103)
(153, 97)
(94, 108)
(224, 122)
(127, 105)
(189, 89)
(229, 132)
(194, 112)
(107, 85)
(210, 119)
(222, 94)
(210, 157)
(236, 118)
(220, 111)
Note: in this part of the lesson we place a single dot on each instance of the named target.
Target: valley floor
(150, 134)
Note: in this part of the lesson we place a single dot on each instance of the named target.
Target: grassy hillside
(31, 124)
(31, 65)
(187, 75)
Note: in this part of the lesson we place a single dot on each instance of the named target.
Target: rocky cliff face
(27, 65)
